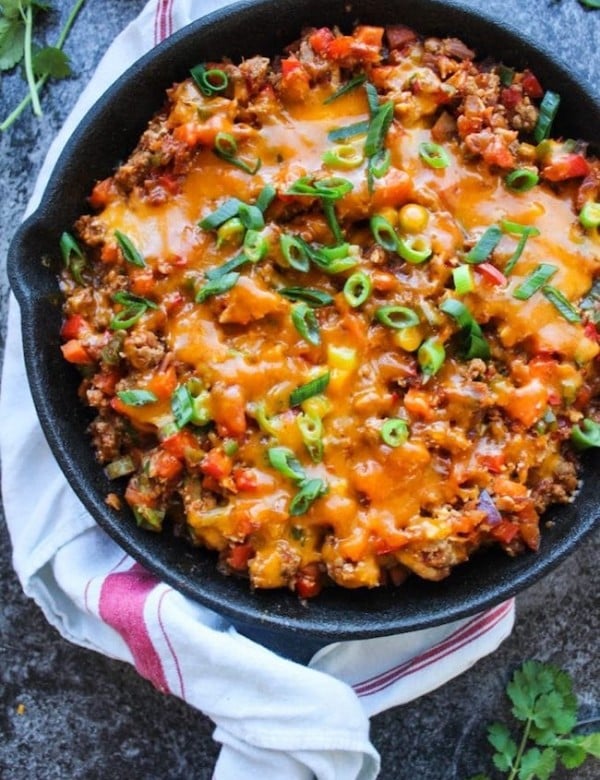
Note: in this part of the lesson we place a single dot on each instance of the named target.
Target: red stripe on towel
(163, 23)
(122, 600)
(471, 631)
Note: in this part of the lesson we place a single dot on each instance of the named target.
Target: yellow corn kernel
(389, 213)
(585, 351)
(343, 358)
(413, 218)
(408, 339)
(317, 406)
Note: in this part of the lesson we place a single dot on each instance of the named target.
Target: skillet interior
(107, 135)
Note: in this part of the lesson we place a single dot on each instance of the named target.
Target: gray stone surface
(69, 713)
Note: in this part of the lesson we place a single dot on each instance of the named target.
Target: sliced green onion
(309, 491)
(521, 180)
(265, 423)
(345, 88)
(380, 163)
(226, 148)
(357, 289)
(210, 81)
(181, 406)
(414, 249)
(149, 518)
(349, 131)
(137, 397)
(309, 295)
(134, 307)
(397, 317)
(525, 232)
(230, 232)
(343, 156)
(306, 323)
(69, 248)
(285, 462)
(314, 387)
(384, 233)
(431, 356)
(589, 216)
(311, 430)
(459, 312)
(334, 187)
(216, 218)
(485, 246)
(332, 220)
(294, 251)
(535, 281)
(130, 253)
(475, 344)
(201, 412)
(378, 128)
(394, 432)
(564, 307)
(335, 259)
(265, 197)
(217, 286)
(230, 447)
(226, 144)
(251, 217)
(434, 155)
(506, 75)
(255, 246)
(548, 109)
(120, 467)
(222, 270)
(372, 98)
(128, 299)
(586, 434)
(462, 276)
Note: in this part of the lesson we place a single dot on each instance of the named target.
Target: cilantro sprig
(543, 699)
(17, 19)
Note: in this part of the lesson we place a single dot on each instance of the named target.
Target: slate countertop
(69, 713)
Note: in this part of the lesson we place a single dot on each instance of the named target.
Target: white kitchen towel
(275, 718)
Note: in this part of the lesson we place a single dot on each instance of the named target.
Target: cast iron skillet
(106, 136)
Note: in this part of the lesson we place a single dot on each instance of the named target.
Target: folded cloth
(274, 717)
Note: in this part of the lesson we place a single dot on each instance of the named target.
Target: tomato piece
(163, 384)
(566, 166)
(531, 86)
(320, 40)
(393, 190)
(216, 464)
(75, 352)
(142, 282)
(340, 47)
(510, 97)
(289, 65)
(505, 531)
(73, 327)
(417, 405)
(102, 194)
(239, 555)
(491, 274)
(106, 381)
(308, 581)
(245, 479)
(179, 443)
(370, 36)
(109, 253)
(166, 466)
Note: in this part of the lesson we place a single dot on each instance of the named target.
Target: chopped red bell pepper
(491, 274)
(216, 464)
(566, 166)
(73, 327)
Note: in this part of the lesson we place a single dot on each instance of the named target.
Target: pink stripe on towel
(122, 600)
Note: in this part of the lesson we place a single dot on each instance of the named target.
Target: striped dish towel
(274, 717)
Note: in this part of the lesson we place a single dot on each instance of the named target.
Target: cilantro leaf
(537, 764)
(11, 8)
(530, 682)
(12, 36)
(571, 754)
(506, 748)
(51, 62)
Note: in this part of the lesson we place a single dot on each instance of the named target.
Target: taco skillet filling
(336, 313)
